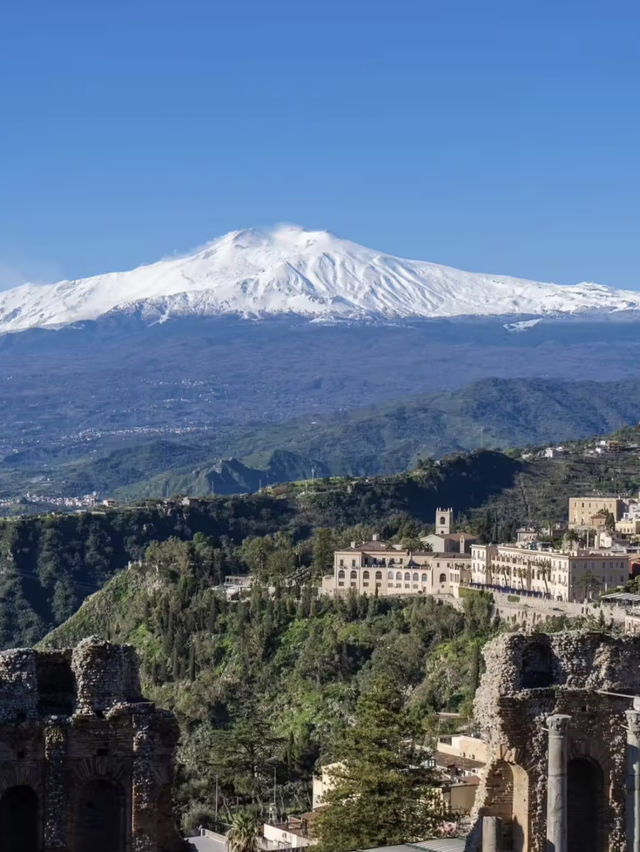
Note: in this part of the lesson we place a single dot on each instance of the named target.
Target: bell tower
(444, 519)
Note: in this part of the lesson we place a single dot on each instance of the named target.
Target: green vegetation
(243, 834)
(48, 564)
(383, 791)
(235, 457)
(267, 685)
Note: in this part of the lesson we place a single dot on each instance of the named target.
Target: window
(424, 578)
(341, 563)
(365, 575)
(353, 563)
(354, 575)
(415, 577)
(340, 575)
(398, 575)
(407, 576)
(378, 575)
(389, 575)
(443, 578)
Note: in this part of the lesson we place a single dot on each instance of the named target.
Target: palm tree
(243, 834)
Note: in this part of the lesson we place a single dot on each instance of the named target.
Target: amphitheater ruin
(561, 716)
(86, 763)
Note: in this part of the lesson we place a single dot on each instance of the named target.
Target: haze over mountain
(314, 274)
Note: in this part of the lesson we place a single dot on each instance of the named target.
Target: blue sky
(492, 136)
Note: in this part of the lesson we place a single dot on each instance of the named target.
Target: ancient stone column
(557, 783)
(491, 834)
(633, 778)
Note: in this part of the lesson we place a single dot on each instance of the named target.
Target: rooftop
(448, 844)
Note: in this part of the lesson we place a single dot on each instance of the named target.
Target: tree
(589, 584)
(323, 547)
(383, 791)
(243, 834)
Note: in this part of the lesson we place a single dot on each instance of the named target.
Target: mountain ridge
(256, 273)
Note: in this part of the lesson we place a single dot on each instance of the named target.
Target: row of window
(424, 578)
(374, 562)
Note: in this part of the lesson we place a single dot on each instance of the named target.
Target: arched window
(415, 577)
(424, 578)
(443, 578)
(389, 575)
(378, 575)
(443, 520)
(398, 575)
(407, 575)
(340, 575)
(354, 575)
(365, 575)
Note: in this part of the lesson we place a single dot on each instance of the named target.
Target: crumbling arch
(586, 807)
(100, 823)
(19, 823)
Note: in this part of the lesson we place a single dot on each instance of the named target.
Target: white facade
(562, 576)
(374, 568)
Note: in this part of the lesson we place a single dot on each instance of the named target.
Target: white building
(376, 568)
(560, 575)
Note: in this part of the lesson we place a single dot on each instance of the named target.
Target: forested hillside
(48, 564)
(377, 437)
(267, 684)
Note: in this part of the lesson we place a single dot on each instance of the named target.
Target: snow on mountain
(287, 269)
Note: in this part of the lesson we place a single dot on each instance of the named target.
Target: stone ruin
(563, 733)
(86, 763)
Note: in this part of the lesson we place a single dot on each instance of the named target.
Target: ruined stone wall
(527, 679)
(86, 764)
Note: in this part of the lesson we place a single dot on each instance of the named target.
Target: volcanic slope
(289, 270)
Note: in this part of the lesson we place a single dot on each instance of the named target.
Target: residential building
(573, 575)
(449, 542)
(376, 568)
(591, 512)
(289, 835)
(322, 784)
(461, 747)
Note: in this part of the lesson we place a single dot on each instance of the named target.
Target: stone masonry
(564, 769)
(86, 763)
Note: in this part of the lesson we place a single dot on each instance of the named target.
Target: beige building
(628, 526)
(376, 568)
(590, 512)
(443, 540)
(564, 576)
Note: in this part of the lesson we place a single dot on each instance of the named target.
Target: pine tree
(383, 792)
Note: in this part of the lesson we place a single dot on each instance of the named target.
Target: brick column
(55, 791)
(633, 778)
(557, 783)
(143, 792)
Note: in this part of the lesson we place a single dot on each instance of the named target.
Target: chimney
(353, 545)
(375, 537)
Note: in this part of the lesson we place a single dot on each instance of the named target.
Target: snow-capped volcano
(314, 274)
